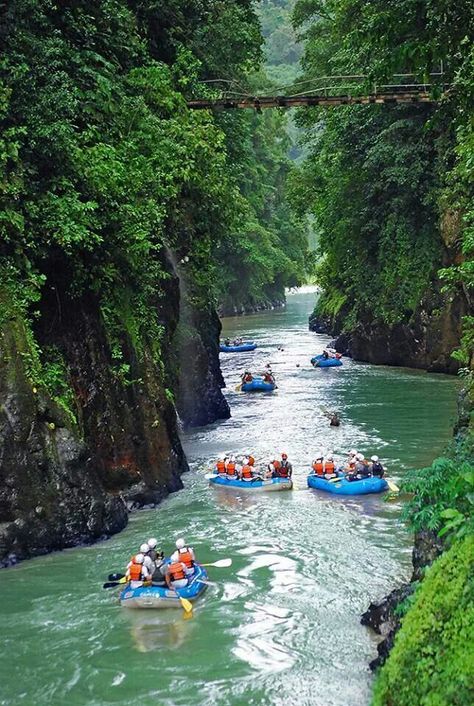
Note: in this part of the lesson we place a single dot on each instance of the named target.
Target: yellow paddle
(393, 486)
(187, 605)
(238, 388)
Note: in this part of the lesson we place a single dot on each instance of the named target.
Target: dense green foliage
(104, 171)
(378, 180)
(282, 49)
(432, 662)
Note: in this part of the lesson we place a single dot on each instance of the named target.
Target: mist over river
(282, 625)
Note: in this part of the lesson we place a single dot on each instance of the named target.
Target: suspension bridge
(327, 91)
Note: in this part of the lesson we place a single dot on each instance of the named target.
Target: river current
(282, 625)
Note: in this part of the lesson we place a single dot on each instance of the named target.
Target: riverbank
(433, 615)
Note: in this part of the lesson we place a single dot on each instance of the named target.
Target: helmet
(180, 543)
(139, 559)
(360, 457)
(353, 452)
(319, 458)
(152, 543)
(144, 548)
(374, 458)
(284, 455)
(330, 457)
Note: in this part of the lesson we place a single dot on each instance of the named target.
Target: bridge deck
(260, 102)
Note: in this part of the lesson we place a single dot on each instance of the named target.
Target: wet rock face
(199, 386)
(425, 341)
(66, 482)
(241, 309)
(382, 619)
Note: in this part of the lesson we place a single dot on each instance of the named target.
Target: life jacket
(230, 469)
(283, 471)
(247, 471)
(251, 461)
(135, 572)
(248, 378)
(220, 465)
(377, 469)
(329, 467)
(176, 571)
(186, 557)
(318, 467)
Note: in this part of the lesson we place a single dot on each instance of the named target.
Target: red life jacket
(220, 466)
(247, 472)
(186, 557)
(318, 467)
(283, 471)
(231, 469)
(176, 571)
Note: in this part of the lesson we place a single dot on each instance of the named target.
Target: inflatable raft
(250, 346)
(162, 596)
(319, 361)
(345, 487)
(258, 385)
(270, 485)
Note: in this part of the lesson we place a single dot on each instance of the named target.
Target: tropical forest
(237, 257)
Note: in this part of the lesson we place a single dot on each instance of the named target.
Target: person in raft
(221, 465)
(284, 469)
(185, 555)
(137, 573)
(376, 467)
(246, 472)
(268, 376)
(231, 468)
(176, 575)
(360, 469)
(227, 342)
(247, 377)
(158, 558)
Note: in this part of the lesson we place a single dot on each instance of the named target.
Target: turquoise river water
(282, 625)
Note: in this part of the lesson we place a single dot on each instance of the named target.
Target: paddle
(392, 486)
(238, 388)
(112, 584)
(208, 476)
(334, 480)
(187, 605)
(115, 577)
(220, 564)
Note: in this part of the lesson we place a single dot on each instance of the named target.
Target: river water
(281, 626)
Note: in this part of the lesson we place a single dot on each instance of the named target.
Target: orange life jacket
(231, 468)
(251, 461)
(176, 571)
(186, 557)
(318, 467)
(220, 465)
(135, 572)
(329, 467)
(247, 471)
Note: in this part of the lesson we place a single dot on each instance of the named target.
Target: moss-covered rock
(432, 661)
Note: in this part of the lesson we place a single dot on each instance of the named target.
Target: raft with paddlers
(341, 486)
(258, 384)
(320, 361)
(241, 348)
(256, 484)
(164, 597)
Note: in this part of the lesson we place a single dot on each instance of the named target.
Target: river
(281, 626)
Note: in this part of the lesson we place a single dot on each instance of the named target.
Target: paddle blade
(187, 605)
(220, 564)
(115, 577)
(208, 476)
(335, 480)
(110, 584)
(238, 388)
(393, 486)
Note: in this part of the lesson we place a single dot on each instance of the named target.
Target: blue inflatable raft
(270, 485)
(258, 385)
(345, 487)
(250, 346)
(162, 596)
(319, 361)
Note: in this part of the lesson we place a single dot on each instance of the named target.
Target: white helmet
(353, 452)
(360, 457)
(374, 458)
(330, 457)
(180, 543)
(152, 542)
(320, 457)
(139, 558)
(145, 548)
